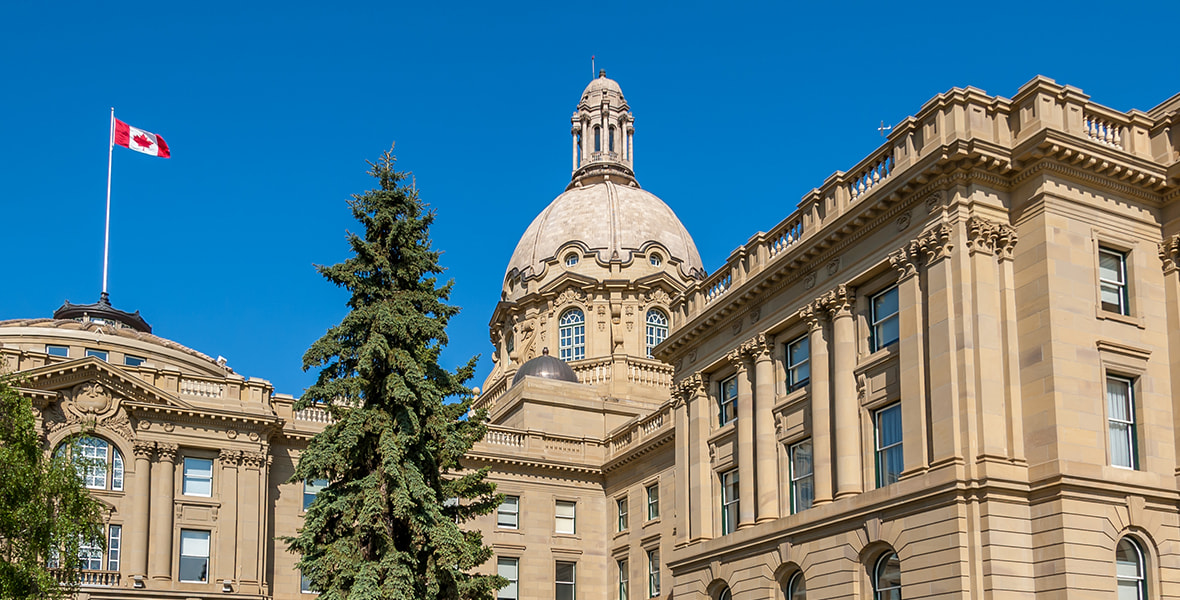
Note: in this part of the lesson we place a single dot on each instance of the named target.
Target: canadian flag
(140, 140)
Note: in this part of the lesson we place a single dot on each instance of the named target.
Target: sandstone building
(952, 372)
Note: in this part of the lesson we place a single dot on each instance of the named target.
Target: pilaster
(141, 494)
(815, 315)
(766, 464)
(992, 408)
(680, 398)
(249, 522)
(841, 303)
(227, 540)
(699, 513)
(1169, 253)
(163, 491)
(747, 500)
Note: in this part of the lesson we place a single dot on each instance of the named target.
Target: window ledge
(868, 361)
(1106, 315)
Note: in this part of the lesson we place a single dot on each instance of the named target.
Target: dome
(546, 367)
(602, 84)
(610, 220)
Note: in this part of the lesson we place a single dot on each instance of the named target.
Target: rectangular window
(90, 555)
(1112, 280)
(802, 477)
(1120, 408)
(566, 517)
(729, 501)
(508, 568)
(566, 580)
(99, 354)
(653, 501)
(305, 584)
(198, 477)
(623, 578)
(621, 503)
(727, 401)
(508, 515)
(114, 547)
(194, 556)
(133, 361)
(884, 319)
(653, 573)
(798, 363)
(312, 488)
(889, 456)
(62, 351)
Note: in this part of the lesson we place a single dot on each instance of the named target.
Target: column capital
(814, 314)
(143, 449)
(1169, 252)
(936, 243)
(739, 359)
(253, 460)
(758, 347)
(989, 237)
(841, 301)
(166, 452)
(230, 458)
(905, 261)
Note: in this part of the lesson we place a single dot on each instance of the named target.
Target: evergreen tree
(388, 524)
(45, 510)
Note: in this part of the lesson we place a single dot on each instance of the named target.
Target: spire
(602, 130)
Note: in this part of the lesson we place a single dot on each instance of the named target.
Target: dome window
(571, 335)
(656, 260)
(571, 259)
(597, 138)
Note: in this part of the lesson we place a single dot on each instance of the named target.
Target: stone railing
(202, 388)
(951, 118)
(640, 430)
(603, 157)
(487, 398)
(89, 578)
(649, 372)
(314, 414)
(593, 371)
(536, 445)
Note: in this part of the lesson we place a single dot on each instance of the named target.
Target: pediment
(93, 388)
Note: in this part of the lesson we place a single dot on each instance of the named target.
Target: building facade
(952, 372)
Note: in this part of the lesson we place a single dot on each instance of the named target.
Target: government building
(947, 374)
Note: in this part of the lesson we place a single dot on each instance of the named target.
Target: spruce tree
(388, 526)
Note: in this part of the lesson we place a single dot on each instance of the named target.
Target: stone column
(228, 518)
(141, 494)
(1169, 254)
(820, 397)
(911, 358)
(163, 490)
(747, 500)
(849, 472)
(766, 442)
(991, 406)
(947, 354)
(1006, 239)
(249, 524)
(680, 420)
(574, 146)
(701, 491)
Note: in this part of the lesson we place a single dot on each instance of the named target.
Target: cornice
(535, 464)
(199, 415)
(642, 449)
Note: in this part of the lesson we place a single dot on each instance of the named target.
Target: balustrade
(202, 388)
(871, 176)
(1103, 130)
(314, 414)
(85, 578)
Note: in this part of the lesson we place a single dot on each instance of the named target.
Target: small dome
(546, 367)
(602, 84)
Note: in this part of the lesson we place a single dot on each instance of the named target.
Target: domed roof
(546, 367)
(600, 84)
(608, 219)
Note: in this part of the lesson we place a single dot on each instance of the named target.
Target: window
(622, 506)
(887, 578)
(729, 501)
(99, 354)
(725, 595)
(194, 556)
(90, 555)
(653, 501)
(888, 434)
(571, 259)
(597, 138)
(653, 573)
(565, 580)
(99, 464)
(305, 584)
(133, 361)
(623, 578)
(508, 568)
(114, 547)
(198, 477)
(802, 479)
(508, 515)
(796, 587)
(610, 141)
(311, 488)
(566, 517)
(798, 363)
(1120, 410)
(727, 402)
(1129, 568)
(657, 329)
(571, 335)
(63, 351)
(1112, 281)
(656, 260)
(884, 319)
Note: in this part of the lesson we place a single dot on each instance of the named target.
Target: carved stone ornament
(230, 458)
(253, 460)
(692, 356)
(629, 310)
(601, 310)
(759, 346)
(933, 202)
(570, 295)
(89, 400)
(903, 221)
(988, 237)
(841, 301)
(809, 280)
(166, 452)
(144, 449)
(755, 314)
(812, 314)
(169, 427)
(833, 266)
(630, 325)
(904, 263)
(231, 433)
(659, 295)
(1169, 251)
(936, 243)
(737, 327)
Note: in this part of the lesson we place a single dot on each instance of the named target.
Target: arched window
(610, 140)
(797, 588)
(571, 259)
(597, 138)
(1130, 570)
(571, 335)
(725, 594)
(887, 578)
(657, 328)
(99, 463)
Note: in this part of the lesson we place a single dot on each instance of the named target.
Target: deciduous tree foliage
(386, 526)
(45, 511)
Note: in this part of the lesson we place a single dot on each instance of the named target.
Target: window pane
(508, 568)
(194, 555)
(1110, 266)
(1118, 393)
(889, 425)
(63, 351)
(99, 354)
(888, 577)
(91, 456)
(198, 477)
(797, 590)
(132, 361)
(312, 488)
(885, 304)
(114, 546)
(507, 514)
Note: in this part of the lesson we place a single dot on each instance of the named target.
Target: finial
(602, 72)
(545, 351)
(104, 299)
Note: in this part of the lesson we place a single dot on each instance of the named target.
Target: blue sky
(271, 110)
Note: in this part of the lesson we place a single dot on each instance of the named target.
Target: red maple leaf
(143, 141)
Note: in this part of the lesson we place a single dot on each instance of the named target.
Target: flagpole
(107, 235)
